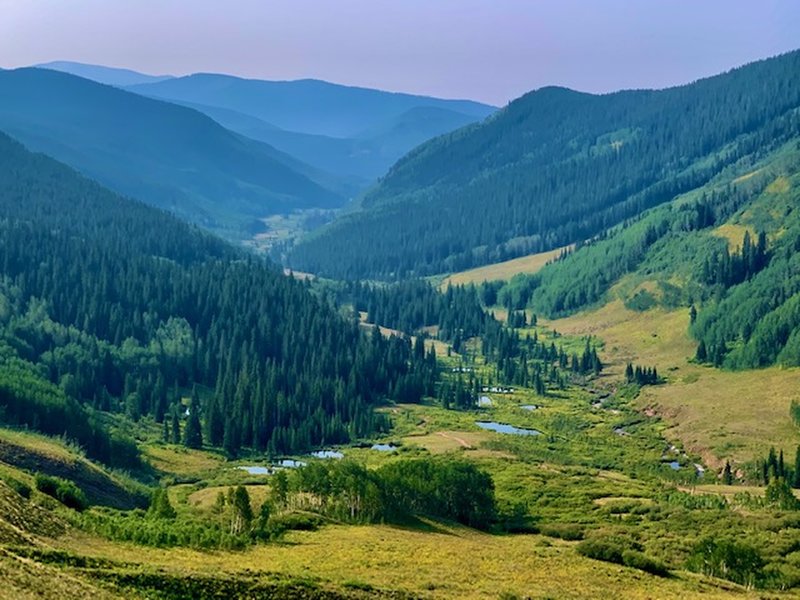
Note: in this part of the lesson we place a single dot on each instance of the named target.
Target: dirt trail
(464, 443)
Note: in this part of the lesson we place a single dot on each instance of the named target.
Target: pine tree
(175, 429)
(797, 467)
(193, 433)
(727, 474)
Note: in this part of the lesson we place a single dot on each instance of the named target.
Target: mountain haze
(167, 155)
(350, 131)
(108, 75)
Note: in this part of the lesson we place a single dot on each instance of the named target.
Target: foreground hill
(553, 168)
(167, 155)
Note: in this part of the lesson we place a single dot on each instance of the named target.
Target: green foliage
(160, 506)
(622, 552)
(734, 561)
(444, 488)
(65, 491)
(22, 488)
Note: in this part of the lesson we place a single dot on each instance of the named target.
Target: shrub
(66, 492)
(609, 550)
(637, 560)
(23, 489)
(734, 561)
(571, 532)
(620, 551)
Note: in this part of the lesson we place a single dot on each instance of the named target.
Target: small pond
(384, 447)
(255, 470)
(327, 454)
(288, 463)
(484, 401)
(505, 428)
(675, 465)
(529, 407)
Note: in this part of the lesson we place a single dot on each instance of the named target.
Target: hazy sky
(490, 50)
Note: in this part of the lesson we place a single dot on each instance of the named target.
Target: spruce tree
(193, 433)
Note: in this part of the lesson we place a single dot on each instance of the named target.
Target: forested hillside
(163, 154)
(727, 251)
(109, 305)
(554, 167)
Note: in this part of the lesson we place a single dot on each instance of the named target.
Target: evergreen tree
(727, 474)
(193, 433)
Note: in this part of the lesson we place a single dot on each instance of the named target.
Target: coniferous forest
(109, 305)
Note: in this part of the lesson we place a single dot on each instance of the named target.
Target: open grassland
(718, 414)
(24, 579)
(179, 460)
(438, 561)
(734, 234)
(504, 271)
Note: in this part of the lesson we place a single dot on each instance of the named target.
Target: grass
(503, 271)
(181, 461)
(734, 233)
(720, 415)
(24, 579)
(438, 562)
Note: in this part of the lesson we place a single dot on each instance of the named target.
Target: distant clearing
(181, 461)
(447, 441)
(504, 271)
(734, 234)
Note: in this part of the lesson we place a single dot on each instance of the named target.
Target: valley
(275, 339)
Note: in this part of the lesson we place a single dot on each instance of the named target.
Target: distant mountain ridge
(108, 75)
(356, 133)
(161, 153)
(305, 106)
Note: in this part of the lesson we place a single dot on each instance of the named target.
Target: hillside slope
(160, 153)
(553, 168)
(110, 306)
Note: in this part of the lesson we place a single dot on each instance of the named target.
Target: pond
(384, 447)
(255, 470)
(484, 401)
(505, 428)
(327, 454)
(675, 465)
(529, 407)
(288, 463)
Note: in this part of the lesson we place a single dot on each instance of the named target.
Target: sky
(487, 50)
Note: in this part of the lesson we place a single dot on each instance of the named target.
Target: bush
(66, 492)
(294, 521)
(734, 561)
(23, 489)
(605, 550)
(620, 551)
(571, 532)
(637, 560)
